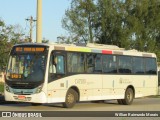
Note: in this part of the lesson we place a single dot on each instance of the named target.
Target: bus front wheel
(129, 96)
(71, 98)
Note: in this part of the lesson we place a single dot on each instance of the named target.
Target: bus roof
(92, 48)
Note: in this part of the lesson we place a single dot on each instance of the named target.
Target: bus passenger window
(150, 64)
(138, 65)
(90, 63)
(98, 63)
(109, 64)
(75, 62)
(125, 64)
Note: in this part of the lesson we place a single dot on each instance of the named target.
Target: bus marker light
(106, 52)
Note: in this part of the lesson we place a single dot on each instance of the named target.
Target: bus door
(56, 66)
(56, 73)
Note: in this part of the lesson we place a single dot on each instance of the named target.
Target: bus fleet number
(80, 81)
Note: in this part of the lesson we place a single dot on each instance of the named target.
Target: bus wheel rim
(129, 96)
(70, 98)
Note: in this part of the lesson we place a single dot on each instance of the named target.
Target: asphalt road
(141, 104)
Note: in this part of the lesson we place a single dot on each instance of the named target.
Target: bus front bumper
(34, 98)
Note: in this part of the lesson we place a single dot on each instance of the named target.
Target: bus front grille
(22, 86)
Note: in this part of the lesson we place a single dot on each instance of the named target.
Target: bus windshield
(27, 67)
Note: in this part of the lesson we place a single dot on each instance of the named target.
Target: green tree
(132, 24)
(3, 44)
(9, 35)
(79, 18)
(108, 24)
(143, 20)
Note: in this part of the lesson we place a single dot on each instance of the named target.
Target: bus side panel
(94, 84)
(93, 87)
(112, 89)
(114, 86)
(89, 86)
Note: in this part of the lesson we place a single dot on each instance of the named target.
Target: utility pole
(31, 20)
(39, 22)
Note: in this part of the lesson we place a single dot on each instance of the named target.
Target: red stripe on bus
(106, 52)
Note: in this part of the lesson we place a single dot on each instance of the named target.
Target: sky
(14, 12)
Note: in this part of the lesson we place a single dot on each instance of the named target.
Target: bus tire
(120, 101)
(129, 96)
(71, 98)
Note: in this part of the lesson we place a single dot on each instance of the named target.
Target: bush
(1, 87)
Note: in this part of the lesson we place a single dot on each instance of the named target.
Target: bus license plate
(21, 97)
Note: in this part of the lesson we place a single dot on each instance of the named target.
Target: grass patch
(1, 87)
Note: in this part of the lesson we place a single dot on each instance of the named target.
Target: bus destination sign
(29, 49)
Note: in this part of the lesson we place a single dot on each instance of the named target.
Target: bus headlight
(7, 88)
(39, 89)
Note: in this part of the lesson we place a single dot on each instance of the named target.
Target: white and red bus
(55, 73)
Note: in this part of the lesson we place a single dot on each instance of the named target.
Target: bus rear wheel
(71, 98)
(129, 96)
